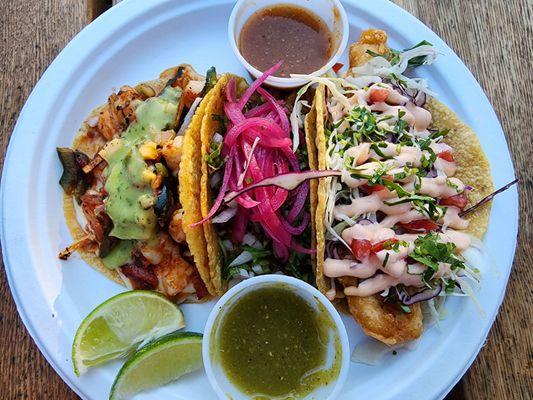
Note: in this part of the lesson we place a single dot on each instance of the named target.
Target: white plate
(136, 40)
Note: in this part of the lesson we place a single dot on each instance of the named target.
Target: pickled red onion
(258, 82)
(262, 173)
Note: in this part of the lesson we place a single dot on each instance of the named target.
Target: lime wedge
(118, 325)
(158, 363)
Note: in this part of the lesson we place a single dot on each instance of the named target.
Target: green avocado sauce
(273, 344)
(119, 255)
(130, 197)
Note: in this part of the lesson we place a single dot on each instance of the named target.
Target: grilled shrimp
(175, 227)
(173, 273)
(192, 91)
(98, 222)
(118, 113)
(189, 80)
(172, 154)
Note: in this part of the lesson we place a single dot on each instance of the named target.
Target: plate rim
(91, 29)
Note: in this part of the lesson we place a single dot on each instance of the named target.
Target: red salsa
(289, 33)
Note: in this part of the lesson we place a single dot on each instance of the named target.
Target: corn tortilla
(209, 127)
(89, 144)
(189, 188)
(310, 140)
(472, 168)
(78, 233)
(319, 104)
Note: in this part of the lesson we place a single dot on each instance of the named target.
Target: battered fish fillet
(384, 322)
(388, 324)
(374, 40)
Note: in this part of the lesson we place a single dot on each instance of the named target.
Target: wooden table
(494, 38)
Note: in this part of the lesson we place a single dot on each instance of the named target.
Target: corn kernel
(148, 176)
(146, 201)
(149, 151)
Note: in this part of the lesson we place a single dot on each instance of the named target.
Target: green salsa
(273, 344)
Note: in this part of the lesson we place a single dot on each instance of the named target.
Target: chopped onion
(420, 98)
(227, 245)
(270, 133)
(218, 138)
(242, 273)
(258, 269)
(262, 109)
(241, 259)
(225, 215)
(250, 240)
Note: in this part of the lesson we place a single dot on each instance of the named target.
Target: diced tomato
(459, 200)
(384, 244)
(371, 189)
(337, 67)
(446, 156)
(361, 248)
(419, 225)
(378, 95)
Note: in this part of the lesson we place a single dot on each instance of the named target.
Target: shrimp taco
(121, 177)
(255, 199)
(392, 227)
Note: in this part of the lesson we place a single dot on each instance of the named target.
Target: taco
(121, 178)
(391, 228)
(251, 226)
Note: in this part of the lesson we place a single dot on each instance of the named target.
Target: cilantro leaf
(420, 60)
(430, 251)
(393, 56)
(405, 309)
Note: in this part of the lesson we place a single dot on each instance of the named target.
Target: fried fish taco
(410, 197)
(256, 209)
(121, 174)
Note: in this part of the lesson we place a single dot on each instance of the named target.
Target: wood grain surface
(493, 37)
